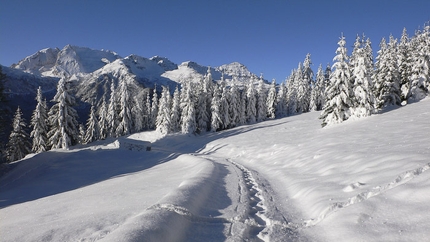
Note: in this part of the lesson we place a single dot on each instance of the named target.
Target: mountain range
(91, 70)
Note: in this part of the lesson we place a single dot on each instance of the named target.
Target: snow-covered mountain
(93, 69)
(71, 60)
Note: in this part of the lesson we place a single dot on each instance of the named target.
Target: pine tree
(164, 122)
(307, 77)
(216, 121)
(154, 109)
(62, 118)
(103, 122)
(281, 102)
(318, 92)
(176, 111)
(271, 101)
(420, 79)
(138, 114)
(125, 125)
(93, 129)
(188, 116)
(18, 145)
(234, 106)
(242, 109)
(338, 99)
(225, 107)
(261, 107)
(405, 66)
(251, 101)
(39, 122)
(148, 108)
(113, 110)
(364, 101)
(387, 82)
(202, 116)
(291, 94)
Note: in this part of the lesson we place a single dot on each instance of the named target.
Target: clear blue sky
(267, 36)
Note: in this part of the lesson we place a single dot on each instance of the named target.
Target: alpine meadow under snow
(280, 180)
(143, 149)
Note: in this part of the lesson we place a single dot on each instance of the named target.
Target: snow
(280, 180)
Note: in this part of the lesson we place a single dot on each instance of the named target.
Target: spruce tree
(318, 91)
(420, 78)
(154, 109)
(112, 113)
(39, 122)
(271, 101)
(234, 105)
(251, 102)
(188, 116)
(338, 100)
(404, 59)
(261, 107)
(387, 82)
(202, 116)
(164, 122)
(176, 111)
(225, 107)
(216, 121)
(281, 102)
(364, 101)
(102, 119)
(18, 145)
(125, 124)
(62, 118)
(93, 129)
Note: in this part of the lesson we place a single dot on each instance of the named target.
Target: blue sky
(269, 37)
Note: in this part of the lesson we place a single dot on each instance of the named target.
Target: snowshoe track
(363, 196)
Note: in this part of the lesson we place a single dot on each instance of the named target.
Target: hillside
(280, 180)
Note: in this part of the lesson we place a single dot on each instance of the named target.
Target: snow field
(280, 180)
(319, 175)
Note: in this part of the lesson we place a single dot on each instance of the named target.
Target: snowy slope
(280, 180)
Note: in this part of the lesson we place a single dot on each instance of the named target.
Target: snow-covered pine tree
(302, 87)
(202, 116)
(308, 82)
(176, 111)
(164, 122)
(62, 118)
(291, 94)
(364, 101)
(271, 101)
(281, 102)
(148, 108)
(242, 108)
(387, 82)
(234, 105)
(154, 109)
(225, 107)
(216, 117)
(93, 129)
(82, 132)
(188, 116)
(318, 91)
(113, 110)
(102, 119)
(19, 144)
(251, 102)
(138, 114)
(261, 107)
(420, 79)
(338, 101)
(39, 122)
(405, 66)
(125, 124)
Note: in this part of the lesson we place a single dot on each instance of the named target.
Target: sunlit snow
(281, 180)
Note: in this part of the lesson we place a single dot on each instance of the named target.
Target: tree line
(355, 86)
